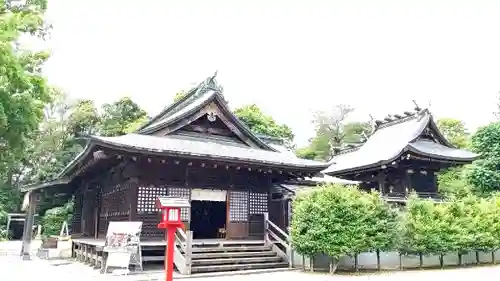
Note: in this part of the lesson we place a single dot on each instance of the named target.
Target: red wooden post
(169, 254)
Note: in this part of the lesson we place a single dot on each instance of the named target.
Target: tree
(333, 132)
(23, 89)
(429, 229)
(83, 119)
(135, 125)
(24, 92)
(454, 131)
(54, 144)
(116, 117)
(260, 123)
(484, 174)
(339, 221)
(179, 95)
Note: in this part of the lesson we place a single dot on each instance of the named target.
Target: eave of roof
(46, 184)
(173, 146)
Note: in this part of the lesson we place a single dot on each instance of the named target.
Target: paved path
(14, 269)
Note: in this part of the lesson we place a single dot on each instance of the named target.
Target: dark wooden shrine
(403, 155)
(196, 148)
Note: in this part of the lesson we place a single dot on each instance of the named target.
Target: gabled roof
(196, 99)
(395, 137)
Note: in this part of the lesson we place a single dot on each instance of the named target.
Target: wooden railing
(183, 251)
(278, 239)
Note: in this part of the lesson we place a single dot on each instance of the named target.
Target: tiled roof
(171, 145)
(393, 138)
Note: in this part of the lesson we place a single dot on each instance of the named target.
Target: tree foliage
(339, 220)
(24, 92)
(261, 123)
(344, 221)
(452, 181)
(179, 95)
(117, 117)
(454, 131)
(484, 174)
(333, 132)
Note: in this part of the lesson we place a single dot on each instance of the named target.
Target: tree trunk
(303, 263)
(378, 260)
(493, 261)
(333, 265)
(421, 260)
(441, 261)
(477, 257)
(459, 259)
(311, 264)
(356, 263)
(400, 261)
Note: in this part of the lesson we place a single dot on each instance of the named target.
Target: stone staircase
(250, 255)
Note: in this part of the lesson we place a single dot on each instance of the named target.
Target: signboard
(123, 244)
(208, 195)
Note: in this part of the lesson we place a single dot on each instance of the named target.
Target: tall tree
(23, 89)
(84, 118)
(454, 130)
(116, 117)
(261, 123)
(333, 132)
(23, 92)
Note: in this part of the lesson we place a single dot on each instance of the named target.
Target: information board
(123, 244)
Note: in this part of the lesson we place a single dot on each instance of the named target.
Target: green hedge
(343, 221)
(54, 218)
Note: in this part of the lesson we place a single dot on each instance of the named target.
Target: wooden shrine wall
(129, 190)
(247, 196)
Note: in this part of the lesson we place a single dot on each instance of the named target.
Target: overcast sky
(289, 57)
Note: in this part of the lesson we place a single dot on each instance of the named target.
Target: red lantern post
(170, 220)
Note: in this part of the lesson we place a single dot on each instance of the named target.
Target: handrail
(182, 249)
(284, 241)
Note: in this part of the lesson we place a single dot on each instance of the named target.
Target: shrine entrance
(208, 214)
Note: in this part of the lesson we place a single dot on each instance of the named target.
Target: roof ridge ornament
(211, 84)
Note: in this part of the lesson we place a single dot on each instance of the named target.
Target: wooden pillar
(133, 198)
(381, 182)
(28, 227)
(407, 179)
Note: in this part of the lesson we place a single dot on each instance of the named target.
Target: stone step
(202, 262)
(230, 249)
(235, 267)
(232, 254)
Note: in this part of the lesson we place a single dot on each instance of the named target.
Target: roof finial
(417, 108)
(215, 74)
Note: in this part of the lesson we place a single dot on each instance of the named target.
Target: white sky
(289, 57)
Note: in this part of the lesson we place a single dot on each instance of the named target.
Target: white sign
(208, 195)
(123, 244)
(118, 259)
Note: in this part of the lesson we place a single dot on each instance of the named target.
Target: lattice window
(181, 193)
(257, 203)
(238, 206)
(147, 196)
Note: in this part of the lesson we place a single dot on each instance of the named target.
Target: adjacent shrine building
(196, 148)
(403, 155)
